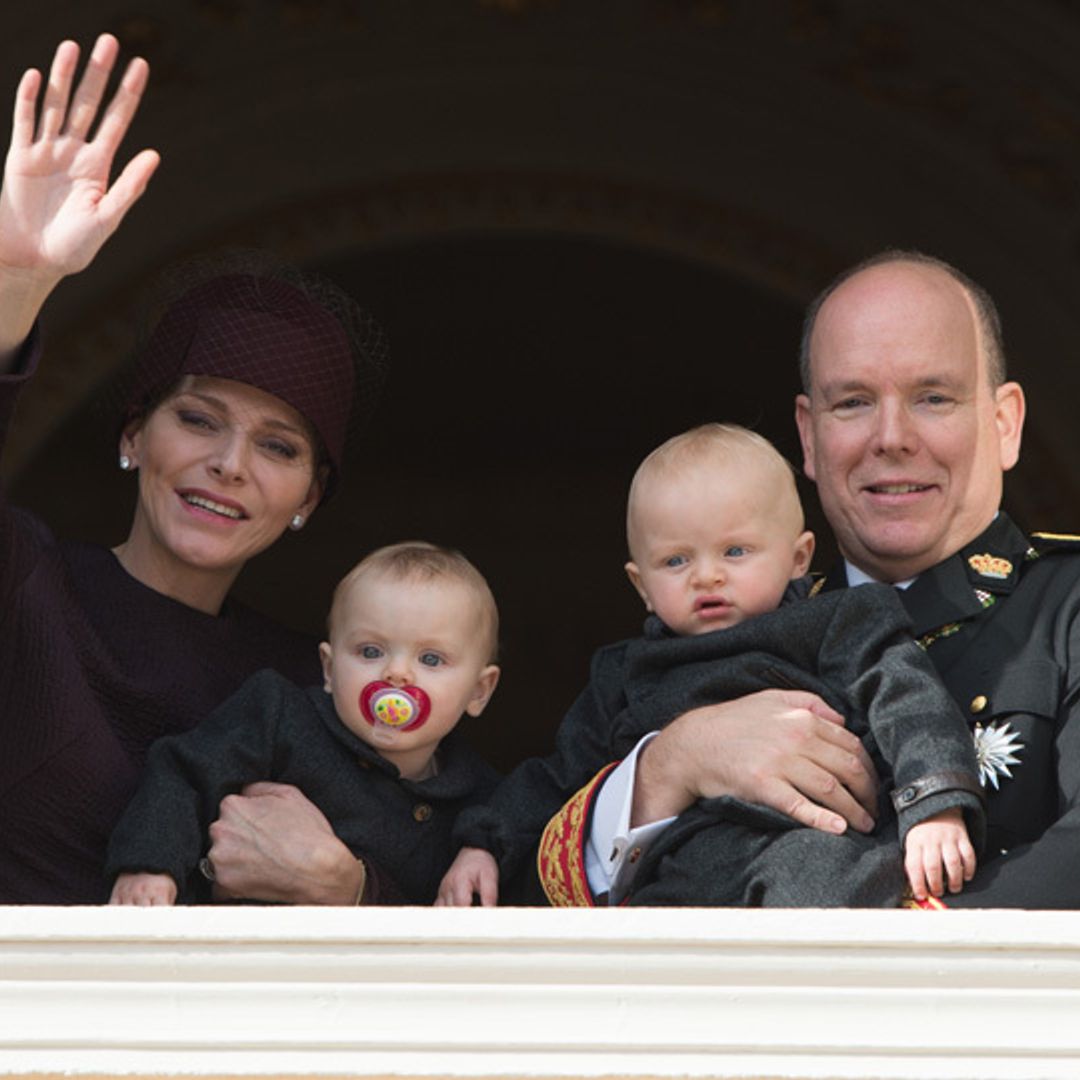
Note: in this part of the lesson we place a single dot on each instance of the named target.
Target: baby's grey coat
(270, 729)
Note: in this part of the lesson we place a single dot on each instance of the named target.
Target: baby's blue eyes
(374, 652)
(736, 551)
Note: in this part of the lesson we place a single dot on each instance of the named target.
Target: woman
(235, 430)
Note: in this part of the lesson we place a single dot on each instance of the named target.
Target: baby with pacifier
(413, 633)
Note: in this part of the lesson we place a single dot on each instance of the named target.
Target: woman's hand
(272, 843)
(57, 206)
(473, 874)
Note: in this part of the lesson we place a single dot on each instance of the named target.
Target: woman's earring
(297, 522)
(125, 463)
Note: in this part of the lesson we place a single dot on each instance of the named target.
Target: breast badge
(996, 748)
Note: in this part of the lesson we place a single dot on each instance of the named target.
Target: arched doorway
(530, 374)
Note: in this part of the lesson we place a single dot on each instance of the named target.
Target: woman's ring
(206, 868)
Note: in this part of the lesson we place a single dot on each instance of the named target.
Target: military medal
(995, 750)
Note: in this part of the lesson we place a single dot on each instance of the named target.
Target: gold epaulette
(1052, 541)
(560, 862)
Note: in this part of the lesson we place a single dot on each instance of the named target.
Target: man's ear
(1009, 410)
(326, 656)
(634, 574)
(804, 553)
(485, 687)
(803, 421)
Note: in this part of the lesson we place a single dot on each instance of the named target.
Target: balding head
(987, 320)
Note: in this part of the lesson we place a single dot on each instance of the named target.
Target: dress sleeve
(22, 536)
(12, 382)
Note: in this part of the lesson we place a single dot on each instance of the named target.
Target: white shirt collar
(855, 576)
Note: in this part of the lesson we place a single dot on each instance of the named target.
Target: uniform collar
(947, 592)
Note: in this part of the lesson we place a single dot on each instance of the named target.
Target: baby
(717, 542)
(413, 632)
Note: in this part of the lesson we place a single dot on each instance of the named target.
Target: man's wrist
(660, 790)
(334, 878)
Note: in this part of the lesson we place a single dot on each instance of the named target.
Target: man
(907, 425)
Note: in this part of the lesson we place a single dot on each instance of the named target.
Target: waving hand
(57, 206)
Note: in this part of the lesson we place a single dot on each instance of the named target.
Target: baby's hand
(473, 873)
(145, 890)
(937, 853)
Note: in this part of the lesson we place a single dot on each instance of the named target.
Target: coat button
(421, 812)
(907, 795)
(978, 703)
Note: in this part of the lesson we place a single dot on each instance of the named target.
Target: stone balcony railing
(522, 992)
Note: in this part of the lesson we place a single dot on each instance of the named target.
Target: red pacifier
(400, 708)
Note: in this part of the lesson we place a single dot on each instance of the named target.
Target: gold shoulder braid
(1055, 537)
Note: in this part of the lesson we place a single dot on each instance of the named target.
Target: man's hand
(473, 873)
(785, 749)
(271, 843)
(937, 852)
(144, 890)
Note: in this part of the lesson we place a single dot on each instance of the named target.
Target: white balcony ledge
(523, 992)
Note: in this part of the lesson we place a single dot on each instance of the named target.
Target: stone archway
(542, 347)
(728, 158)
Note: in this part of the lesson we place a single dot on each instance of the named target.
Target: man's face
(902, 431)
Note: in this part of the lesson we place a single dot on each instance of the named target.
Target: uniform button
(907, 795)
(634, 855)
(978, 703)
(421, 812)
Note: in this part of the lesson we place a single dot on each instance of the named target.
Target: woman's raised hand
(57, 206)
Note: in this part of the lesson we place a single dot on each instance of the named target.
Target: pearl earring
(125, 463)
(297, 522)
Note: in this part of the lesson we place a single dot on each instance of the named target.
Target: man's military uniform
(999, 619)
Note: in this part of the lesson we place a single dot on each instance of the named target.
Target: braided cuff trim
(560, 861)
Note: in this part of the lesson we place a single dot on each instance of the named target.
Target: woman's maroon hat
(261, 331)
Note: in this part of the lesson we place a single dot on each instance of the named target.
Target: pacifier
(400, 708)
